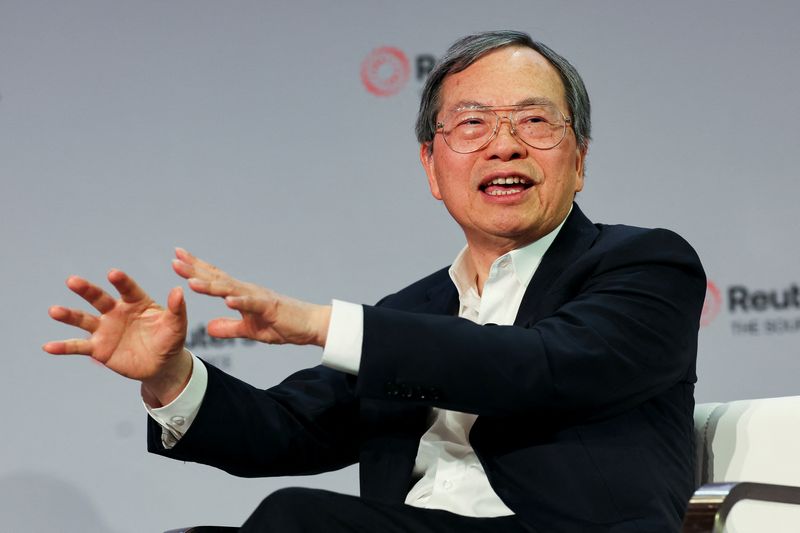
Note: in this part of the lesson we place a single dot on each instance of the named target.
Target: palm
(134, 340)
(132, 335)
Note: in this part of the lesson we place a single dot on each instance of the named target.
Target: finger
(184, 255)
(225, 328)
(129, 290)
(217, 287)
(69, 347)
(97, 297)
(74, 317)
(189, 270)
(203, 268)
(248, 304)
(183, 269)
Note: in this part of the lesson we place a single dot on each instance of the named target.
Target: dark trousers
(300, 510)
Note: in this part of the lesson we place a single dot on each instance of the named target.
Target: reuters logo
(385, 71)
(711, 305)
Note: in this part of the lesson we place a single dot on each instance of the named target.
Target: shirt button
(178, 420)
(505, 262)
(447, 484)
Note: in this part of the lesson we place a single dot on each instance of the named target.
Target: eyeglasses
(468, 130)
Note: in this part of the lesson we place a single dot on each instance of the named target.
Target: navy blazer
(584, 405)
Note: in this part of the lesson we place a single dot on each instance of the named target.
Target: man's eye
(471, 121)
(534, 119)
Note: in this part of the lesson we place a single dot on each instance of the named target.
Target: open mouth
(506, 186)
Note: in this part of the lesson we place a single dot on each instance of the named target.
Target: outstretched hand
(266, 316)
(133, 335)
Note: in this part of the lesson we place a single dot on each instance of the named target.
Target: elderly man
(543, 382)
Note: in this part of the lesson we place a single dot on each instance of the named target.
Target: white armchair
(747, 450)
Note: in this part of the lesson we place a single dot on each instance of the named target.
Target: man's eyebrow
(536, 100)
(465, 104)
(533, 100)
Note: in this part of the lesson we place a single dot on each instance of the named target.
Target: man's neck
(482, 252)
(482, 259)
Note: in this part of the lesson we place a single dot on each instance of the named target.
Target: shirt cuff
(345, 336)
(176, 417)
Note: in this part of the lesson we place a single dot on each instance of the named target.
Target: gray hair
(469, 49)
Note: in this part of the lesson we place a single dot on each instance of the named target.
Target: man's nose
(506, 145)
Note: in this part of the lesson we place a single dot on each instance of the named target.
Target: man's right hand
(133, 336)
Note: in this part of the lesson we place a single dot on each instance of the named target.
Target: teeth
(503, 192)
(513, 180)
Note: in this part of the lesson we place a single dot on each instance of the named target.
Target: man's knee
(287, 510)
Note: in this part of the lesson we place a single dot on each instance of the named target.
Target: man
(544, 382)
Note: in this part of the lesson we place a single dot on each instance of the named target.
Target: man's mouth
(506, 186)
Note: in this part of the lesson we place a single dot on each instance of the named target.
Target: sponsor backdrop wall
(275, 139)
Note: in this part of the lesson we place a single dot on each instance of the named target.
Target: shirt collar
(525, 261)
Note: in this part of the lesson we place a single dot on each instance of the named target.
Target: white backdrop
(128, 128)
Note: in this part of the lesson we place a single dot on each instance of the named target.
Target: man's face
(550, 178)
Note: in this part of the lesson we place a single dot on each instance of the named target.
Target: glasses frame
(511, 122)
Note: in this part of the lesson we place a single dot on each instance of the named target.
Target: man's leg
(300, 510)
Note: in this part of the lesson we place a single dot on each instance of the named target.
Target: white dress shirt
(453, 478)
(451, 475)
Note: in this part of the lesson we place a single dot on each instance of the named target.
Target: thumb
(176, 305)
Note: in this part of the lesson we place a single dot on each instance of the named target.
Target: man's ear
(426, 158)
(580, 157)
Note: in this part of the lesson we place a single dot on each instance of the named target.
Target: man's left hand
(266, 316)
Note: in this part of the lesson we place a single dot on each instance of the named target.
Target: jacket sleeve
(623, 328)
(305, 425)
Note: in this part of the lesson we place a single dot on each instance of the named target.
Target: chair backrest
(749, 440)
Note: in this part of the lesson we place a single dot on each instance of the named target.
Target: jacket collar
(575, 237)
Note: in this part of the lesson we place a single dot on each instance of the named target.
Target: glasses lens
(540, 126)
(469, 129)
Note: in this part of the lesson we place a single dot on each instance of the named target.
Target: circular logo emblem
(385, 70)
(711, 305)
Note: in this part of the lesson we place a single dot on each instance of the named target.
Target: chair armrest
(709, 507)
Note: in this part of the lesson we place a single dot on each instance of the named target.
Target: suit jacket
(584, 404)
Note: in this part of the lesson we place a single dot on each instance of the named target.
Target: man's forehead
(505, 77)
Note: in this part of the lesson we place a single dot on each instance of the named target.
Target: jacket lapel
(575, 237)
(442, 299)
